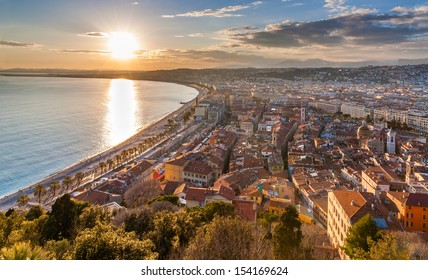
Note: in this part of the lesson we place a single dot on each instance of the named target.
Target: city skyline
(195, 34)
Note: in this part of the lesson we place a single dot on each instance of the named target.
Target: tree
(287, 235)
(165, 234)
(34, 213)
(102, 166)
(39, 191)
(23, 200)
(266, 220)
(361, 237)
(219, 208)
(225, 238)
(92, 215)
(67, 182)
(78, 178)
(388, 248)
(54, 186)
(23, 251)
(110, 163)
(138, 220)
(62, 221)
(105, 242)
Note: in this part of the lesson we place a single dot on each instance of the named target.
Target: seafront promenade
(89, 164)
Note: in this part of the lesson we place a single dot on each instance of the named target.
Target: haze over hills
(315, 63)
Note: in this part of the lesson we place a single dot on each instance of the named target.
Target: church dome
(363, 132)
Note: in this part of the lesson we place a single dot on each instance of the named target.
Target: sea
(47, 124)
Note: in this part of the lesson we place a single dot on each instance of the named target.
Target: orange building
(416, 212)
(411, 209)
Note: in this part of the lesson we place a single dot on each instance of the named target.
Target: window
(411, 224)
(411, 215)
(424, 217)
(424, 209)
(423, 225)
(407, 215)
(407, 224)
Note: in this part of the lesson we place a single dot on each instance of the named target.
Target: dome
(363, 132)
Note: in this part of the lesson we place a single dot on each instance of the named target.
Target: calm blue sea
(47, 124)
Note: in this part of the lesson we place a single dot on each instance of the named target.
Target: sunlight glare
(122, 45)
(121, 120)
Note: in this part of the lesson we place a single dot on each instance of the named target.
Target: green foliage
(58, 249)
(170, 198)
(266, 220)
(139, 221)
(93, 214)
(287, 235)
(219, 208)
(8, 225)
(34, 213)
(362, 235)
(225, 238)
(165, 234)
(23, 251)
(388, 248)
(105, 242)
(62, 221)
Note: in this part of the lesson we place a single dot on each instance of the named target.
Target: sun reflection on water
(121, 120)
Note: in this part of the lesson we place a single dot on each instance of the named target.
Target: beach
(85, 165)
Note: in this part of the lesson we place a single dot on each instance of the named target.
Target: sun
(122, 45)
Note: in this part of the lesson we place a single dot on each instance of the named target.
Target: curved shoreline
(8, 200)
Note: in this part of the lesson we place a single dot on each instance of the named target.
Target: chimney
(353, 203)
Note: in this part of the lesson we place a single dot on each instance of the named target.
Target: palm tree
(23, 251)
(117, 158)
(40, 190)
(23, 200)
(102, 166)
(67, 182)
(140, 147)
(78, 178)
(110, 163)
(54, 186)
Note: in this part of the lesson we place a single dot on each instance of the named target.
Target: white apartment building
(356, 110)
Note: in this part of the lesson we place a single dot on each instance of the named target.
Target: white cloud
(222, 12)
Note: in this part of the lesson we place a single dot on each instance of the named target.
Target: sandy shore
(149, 130)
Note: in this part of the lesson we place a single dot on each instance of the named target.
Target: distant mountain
(412, 61)
(318, 63)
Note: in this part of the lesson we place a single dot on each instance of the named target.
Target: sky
(209, 33)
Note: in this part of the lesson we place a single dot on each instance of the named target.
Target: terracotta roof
(198, 194)
(417, 199)
(198, 167)
(140, 168)
(245, 209)
(170, 187)
(350, 201)
(179, 161)
(94, 197)
(226, 192)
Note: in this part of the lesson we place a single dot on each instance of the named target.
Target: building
(356, 110)
(329, 106)
(199, 173)
(378, 179)
(390, 142)
(174, 169)
(411, 210)
(345, 208)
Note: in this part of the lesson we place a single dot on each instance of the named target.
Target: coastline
(156, 126)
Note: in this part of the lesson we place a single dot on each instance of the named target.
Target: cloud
(353, 29)
(83, 51)
(222, 12)
(401, 10)
(94, 34)
(16, 44)
(339, 7)
(193, 35)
